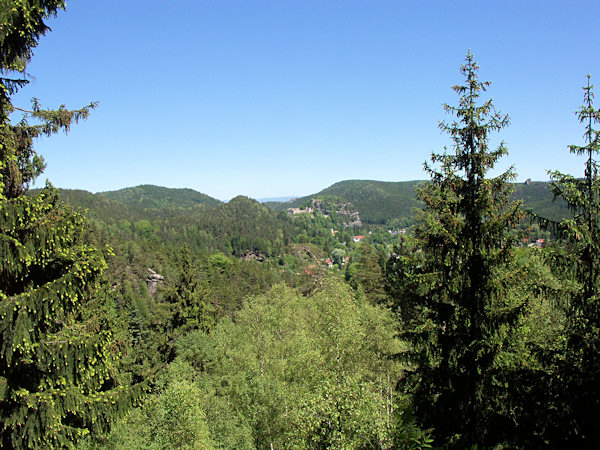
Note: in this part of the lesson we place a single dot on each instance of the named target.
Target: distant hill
(246, 225)
(240, 227)
(87, 200)
(243, 224)
(377, 202)
(384, 202)
(149, 196)
(538, 198)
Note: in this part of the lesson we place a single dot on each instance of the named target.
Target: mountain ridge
(378, 202)
(152, 196)
(394, 202)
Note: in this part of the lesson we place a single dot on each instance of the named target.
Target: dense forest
(455, 312)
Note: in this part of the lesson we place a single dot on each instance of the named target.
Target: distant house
(527, 181)
(358, 238)
(329, 262)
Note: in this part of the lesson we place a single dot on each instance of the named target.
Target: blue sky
(272, 98)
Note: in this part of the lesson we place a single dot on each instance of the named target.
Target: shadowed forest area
(461, 311)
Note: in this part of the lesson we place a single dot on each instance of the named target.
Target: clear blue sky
(269, 98)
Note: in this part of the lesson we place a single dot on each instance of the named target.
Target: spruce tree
(581, 365)
(451, 281)
(364, 272)
(57, 355)
(189, 306)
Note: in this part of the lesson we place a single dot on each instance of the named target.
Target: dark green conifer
(189, 306)
(364, 271)
(57, 355)
(451, 281)
(581, 367)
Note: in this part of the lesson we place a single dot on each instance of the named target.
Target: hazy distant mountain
(276, 199)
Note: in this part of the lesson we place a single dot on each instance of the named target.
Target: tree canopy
(452, 278)
(57, 353)
(581, 264)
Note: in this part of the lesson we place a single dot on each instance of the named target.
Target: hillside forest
(460, 311)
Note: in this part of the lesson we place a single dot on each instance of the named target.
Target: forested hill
(247, 226)
(377, 202)
(239, 227)
(538, 198)
(384, 202)
(140, 202)
(149, 196)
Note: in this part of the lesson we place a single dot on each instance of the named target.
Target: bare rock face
(350, 218)
(344, 210)
(152, 281)
(254, 256)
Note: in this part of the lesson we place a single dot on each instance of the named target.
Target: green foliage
(341, 415)
(57, 351)
(235, 358)
(581, 263)
(58, 357)
(172, 417)
(337, 256)
(454, 281)
(189, 304)
(364, 271)
(242, 227)
(177, 420)
(301, 372)
(22, 25)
